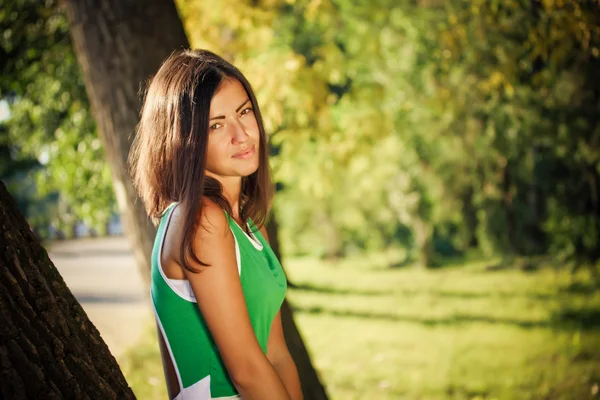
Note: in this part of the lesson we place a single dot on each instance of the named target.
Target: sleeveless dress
(198, 365)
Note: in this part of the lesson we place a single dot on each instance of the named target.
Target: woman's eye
(246, 110)
(215, 126)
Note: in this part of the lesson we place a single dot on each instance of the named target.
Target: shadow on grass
(413, 292)
(579, 288)
(585, 319)
(457, 319)
(341, 291)
(501, 295)
(565, 319)
(523, 264)
(445, 263)
(455, 391)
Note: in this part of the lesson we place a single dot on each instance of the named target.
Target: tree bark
(312, 388)
(272, 227)
(49, 349)
(120, 44)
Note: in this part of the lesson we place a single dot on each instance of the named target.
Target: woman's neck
(232, 186)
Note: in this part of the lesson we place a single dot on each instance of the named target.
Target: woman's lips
(246, 154)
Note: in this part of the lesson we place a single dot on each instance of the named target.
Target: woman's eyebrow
(236, 110)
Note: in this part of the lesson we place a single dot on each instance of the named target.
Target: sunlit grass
(453, 333)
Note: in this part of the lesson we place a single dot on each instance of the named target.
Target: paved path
(103, 276)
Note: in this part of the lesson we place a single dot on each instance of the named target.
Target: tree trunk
(508, 193)
(424, 242)
(120, 44)
(273, 232)
(311, 385)
(312, 388)
(49, 349)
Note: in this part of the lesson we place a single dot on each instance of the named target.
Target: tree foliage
(438, 127)
(50, 118)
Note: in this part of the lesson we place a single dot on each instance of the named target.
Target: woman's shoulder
(212, 219)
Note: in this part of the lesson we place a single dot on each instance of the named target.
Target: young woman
(199, 162)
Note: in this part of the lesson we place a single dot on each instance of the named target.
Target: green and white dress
(200, 370)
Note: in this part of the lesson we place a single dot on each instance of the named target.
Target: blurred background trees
(437, 128)
(47, 120)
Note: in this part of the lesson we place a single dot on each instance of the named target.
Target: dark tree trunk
(273, 233)
(311, 384)
(509, 209)
(49, 349)
(312, 388)
(120, 44)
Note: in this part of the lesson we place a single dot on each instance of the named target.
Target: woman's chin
(245, 171)
(250, 171)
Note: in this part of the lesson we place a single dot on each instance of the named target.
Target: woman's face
(233, 134)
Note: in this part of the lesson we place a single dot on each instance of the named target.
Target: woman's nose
(239, 133)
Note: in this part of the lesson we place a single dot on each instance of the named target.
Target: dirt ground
(102, 275)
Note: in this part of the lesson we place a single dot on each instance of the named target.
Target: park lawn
(460, 332)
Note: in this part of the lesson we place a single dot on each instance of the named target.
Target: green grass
(452, 333)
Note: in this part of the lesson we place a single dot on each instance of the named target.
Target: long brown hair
(168, 155)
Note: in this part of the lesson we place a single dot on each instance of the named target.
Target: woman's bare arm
(279, 355)
(220, 298)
